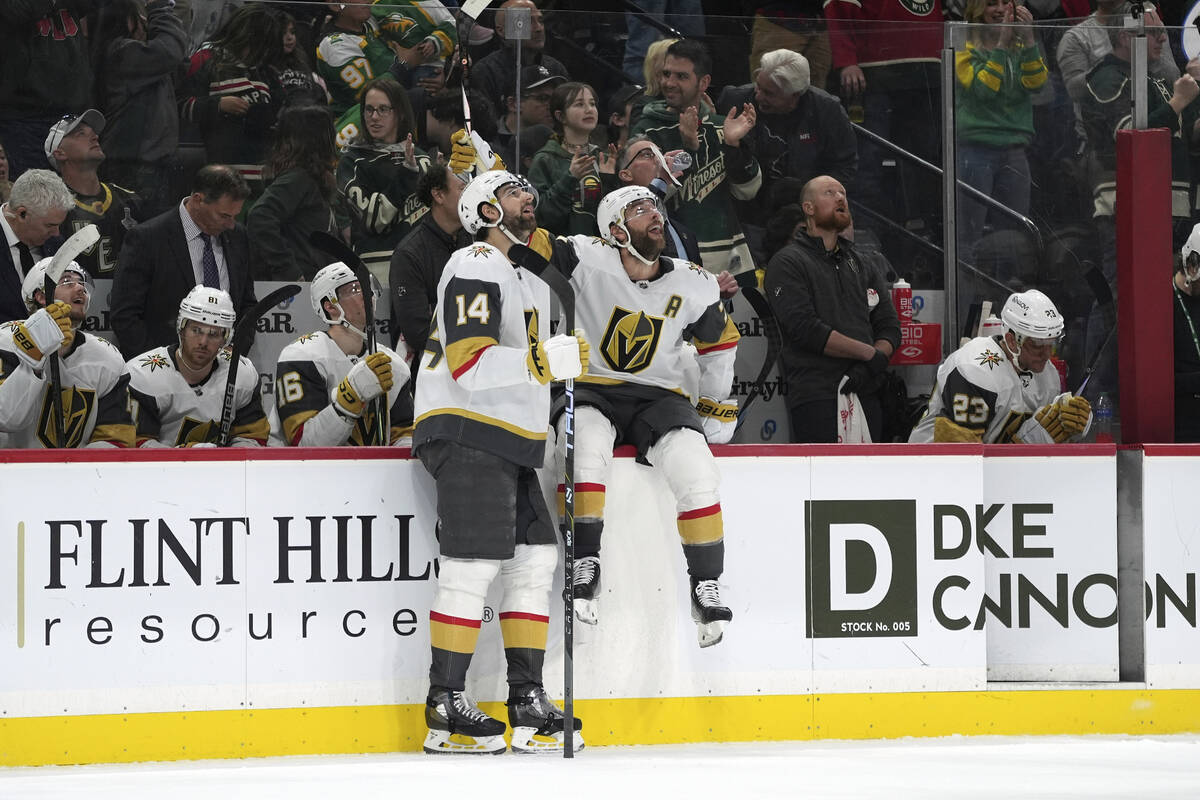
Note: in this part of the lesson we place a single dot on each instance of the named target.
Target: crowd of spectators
(342, 117)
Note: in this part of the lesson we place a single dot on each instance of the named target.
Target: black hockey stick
(241, 332)
(1105, 300)
(521, 255)
(78, 242)
(774, 343)
(343, 252)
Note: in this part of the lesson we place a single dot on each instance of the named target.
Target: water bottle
(1102, 422)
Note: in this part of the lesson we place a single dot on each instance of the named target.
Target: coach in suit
(199, 242)
(37, 205)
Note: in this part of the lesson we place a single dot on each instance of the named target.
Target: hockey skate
(586, 588)
(537, 724)
(456, 725)
(710, 616)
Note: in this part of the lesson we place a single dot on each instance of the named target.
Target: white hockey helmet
(1032, 315)
(1191, 247)
(325, 285)
(35, 280)
(208, 306)
(613, 207)
(483, 189)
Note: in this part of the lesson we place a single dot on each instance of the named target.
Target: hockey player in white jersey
(95, 389)
(178, 391)
(326, 383)
(661, 382)
(483, 405)
(997, 389)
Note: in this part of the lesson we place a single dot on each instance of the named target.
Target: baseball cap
(61, 129)
(536, 75)
(623, 97)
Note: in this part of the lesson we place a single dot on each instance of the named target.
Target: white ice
(977, 768)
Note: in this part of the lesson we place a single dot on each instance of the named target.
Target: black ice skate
(710, 616)
(537, 724)
(456, 725)
(586, 587)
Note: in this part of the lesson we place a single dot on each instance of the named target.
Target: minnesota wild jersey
(348, 61)
(410, 22)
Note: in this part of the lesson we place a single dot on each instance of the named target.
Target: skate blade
(711, 633)
(587, 611)
(443, 742)
(529, 741)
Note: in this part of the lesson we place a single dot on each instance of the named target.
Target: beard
(832, 220)
(519, 226)
(650, 247)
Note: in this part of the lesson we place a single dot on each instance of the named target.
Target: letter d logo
(862, 564)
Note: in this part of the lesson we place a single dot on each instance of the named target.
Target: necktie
(208, 261)
(26, 257)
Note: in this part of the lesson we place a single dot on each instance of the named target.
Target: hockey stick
(774, 343)
(1105, 300)
(342, 252)
(78, 242)
(241, 330)
(521, 255)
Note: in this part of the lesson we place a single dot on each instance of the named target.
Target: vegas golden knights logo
(78, 405)
(630, 340)
(194, 430)
(366, 428)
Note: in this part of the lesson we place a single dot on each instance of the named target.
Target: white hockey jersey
(308, 370)
(170, 412)
(643, 331)
(981, 397)
(95, 396)
(475, 387)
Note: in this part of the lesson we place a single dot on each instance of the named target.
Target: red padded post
(1147, 376)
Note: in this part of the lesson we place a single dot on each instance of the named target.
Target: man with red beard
(835, 315)
(660, 381)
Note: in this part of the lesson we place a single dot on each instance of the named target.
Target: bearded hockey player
(95, 389)
(483, 405)
(179, 390)
(997, 389)
(661, 382)
(326, 383)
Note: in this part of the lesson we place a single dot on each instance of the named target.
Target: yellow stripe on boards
(113, 738)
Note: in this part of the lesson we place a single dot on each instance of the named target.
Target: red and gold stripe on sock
(701, 525)
(454, 634)
(524, 630)
(589, 500)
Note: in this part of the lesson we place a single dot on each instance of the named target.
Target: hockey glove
(1076, 415)
(45, 332)
(559, 358)
(1044, 427)
(469, 150)
(366, 380)
(719, 420)
(864, 376)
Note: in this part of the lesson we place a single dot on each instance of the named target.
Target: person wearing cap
(620, 113)
(1186, 286)
(495, 74)
(73, 148)
(998, 390)
(91, 373)
(37, 204)
(199, 241)
(802, 131)
(537, 90)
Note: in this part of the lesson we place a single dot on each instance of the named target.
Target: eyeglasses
(539, 97)
(644, 154)
(381, 111)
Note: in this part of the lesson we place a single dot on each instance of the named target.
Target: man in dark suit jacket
(199, 242)
(37, 205)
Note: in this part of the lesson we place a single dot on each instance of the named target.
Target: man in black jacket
(836, 317)
(37, 205)
(418, 260)
(802, 131)
(198, 242)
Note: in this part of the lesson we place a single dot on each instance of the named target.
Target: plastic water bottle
(1102, 424)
